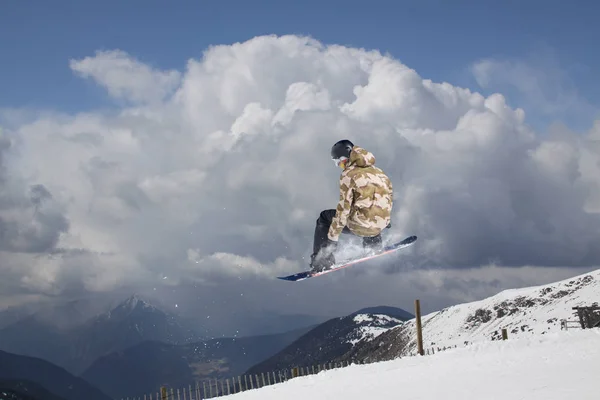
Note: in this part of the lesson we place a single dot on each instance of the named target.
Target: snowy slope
(555, 366)
(370, 326)
(527, 311)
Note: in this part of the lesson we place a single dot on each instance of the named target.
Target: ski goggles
(338, 161)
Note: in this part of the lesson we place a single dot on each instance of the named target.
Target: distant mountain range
(75, 348)
(29, 377)
(131, 347)
(142, 368)
(135, 345)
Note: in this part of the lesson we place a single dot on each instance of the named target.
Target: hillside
(331, 340)
(394, 312)
(536, 310)
(140, 369)
(15, 368)
(24, 390)
(555, 366)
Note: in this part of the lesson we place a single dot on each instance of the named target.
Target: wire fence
(211, 388)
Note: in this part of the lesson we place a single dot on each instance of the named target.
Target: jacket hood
(361, 157)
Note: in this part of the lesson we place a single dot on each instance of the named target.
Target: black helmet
(341, 149)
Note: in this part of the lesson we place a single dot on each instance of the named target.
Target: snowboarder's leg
(321, 228)
(372, 243)
(322, 256)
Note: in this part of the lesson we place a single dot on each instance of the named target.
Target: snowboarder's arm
(342, 209)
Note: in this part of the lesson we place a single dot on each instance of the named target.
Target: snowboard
(300, 276)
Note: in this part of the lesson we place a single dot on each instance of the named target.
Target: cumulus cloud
(125, 77)
(219, 171)
(31, 223)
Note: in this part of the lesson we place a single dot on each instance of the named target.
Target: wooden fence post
(419, 327)
(504, 334)
(163, 393)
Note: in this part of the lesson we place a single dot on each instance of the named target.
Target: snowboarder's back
(366, 197)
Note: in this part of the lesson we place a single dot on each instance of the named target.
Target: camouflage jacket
(366, 197)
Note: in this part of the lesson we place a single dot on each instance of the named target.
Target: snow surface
(535, 310)
(367, 333)
(554, 366)
(373, 325)
(376, 318)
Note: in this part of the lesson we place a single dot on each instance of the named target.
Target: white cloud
(127, 78)
(238, 144)
(229, 265)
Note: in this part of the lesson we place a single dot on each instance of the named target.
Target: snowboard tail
(386, 250)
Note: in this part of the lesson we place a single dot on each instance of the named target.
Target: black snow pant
(322, 228)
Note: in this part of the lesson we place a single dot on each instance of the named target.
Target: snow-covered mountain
(529, 311)
(131, 322)
(369, 326)
(330, 341)
(141, 320)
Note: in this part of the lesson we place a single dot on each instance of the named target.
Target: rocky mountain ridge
(331, 340)
(535, 310)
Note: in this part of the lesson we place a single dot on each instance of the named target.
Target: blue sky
(440, 39)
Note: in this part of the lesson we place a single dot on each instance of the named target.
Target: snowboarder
(364, 208)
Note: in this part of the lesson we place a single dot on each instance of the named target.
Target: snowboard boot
(372, 244)
(320, 262)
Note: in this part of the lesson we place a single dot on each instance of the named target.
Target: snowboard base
(386, 250)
